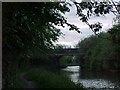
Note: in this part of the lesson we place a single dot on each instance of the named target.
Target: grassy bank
(46, 79)
(16, 81)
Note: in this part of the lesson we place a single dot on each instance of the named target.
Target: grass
(46, 79)
(16, 82)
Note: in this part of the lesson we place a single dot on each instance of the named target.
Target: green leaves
(30, 23)
(87, 9)
(115, 34)
(96, 27)
(101, 54)
(73, 27)
(29, 28)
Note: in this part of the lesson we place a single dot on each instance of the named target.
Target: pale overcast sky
(71, 38)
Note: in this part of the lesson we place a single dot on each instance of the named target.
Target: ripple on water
(88, 83)
(96, 83)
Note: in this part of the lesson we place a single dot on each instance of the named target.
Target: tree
(28, 27)
(93, 56)
(96, 8)
(115, 34)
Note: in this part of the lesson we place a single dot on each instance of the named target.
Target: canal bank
(43, 78)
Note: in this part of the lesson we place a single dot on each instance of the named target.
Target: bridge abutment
(57, 60)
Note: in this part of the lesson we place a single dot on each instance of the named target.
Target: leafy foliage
(87, 9)
(115, 33)
(29, 28)
(101, 54)
(65, 61)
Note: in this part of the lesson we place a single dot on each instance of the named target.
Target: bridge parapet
(68, 51)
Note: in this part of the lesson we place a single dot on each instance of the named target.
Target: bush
(46, 79)
(101, 54)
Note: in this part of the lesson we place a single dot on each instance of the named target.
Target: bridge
(57, 54)
(67, 51)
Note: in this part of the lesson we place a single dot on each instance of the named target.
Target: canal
(91, 79)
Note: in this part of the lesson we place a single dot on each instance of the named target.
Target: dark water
(94, 79)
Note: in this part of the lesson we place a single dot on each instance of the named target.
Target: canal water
(95, 80)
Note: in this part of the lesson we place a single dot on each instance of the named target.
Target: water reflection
(72, 68)
(93, 79)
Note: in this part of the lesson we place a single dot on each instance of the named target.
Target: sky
(71, 38)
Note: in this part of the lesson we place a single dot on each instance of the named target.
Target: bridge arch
(58, 54)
